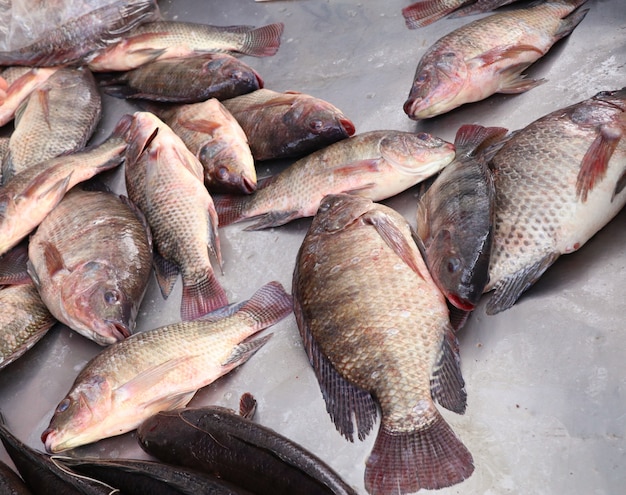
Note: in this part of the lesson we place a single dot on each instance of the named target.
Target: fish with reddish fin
(376, 330)
(165, 180)
(488, 56)
(22, 82)
(161, 40)
(425, 12)
(558, 181)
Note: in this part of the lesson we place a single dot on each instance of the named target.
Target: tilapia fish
(216, 440)
(425, 12)
(218, 141)
(91, 260)
(376, 330)
(22, 82)
(29, 196)
(488, 56)
(375, 164)
(24, 320)
(76, 39)
(558, 181)
(58, 118)
(160, 369)
(165, 180)
(161, 40)
(289, 124)
(185, 80)
(455, 219)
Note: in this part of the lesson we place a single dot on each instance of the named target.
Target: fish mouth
(347, 126)
(47, 438)
(119, 330)
(248, 186)
(460, 303)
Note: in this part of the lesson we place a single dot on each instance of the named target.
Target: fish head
(338, 211)
(96, 303)
(233, 72)
(223, 170)
(616, 98)
(436, 85)
(416, 154)
(78, 417)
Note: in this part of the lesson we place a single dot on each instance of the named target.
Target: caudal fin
(431, 457)
(263, 41)
(425, 12)
(201, 296)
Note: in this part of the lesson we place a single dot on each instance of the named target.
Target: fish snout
(118, 330)
(47, 438)
(460, 302)
(347, 125)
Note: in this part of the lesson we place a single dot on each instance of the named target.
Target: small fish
(91, 260)
(11, 483)
(58, 118)
(185, 80)
(289, 124)
(488, 56)
(161, 40)
(558, 181)
(425, 12)
(24, 320)
(165, 180)
(375, 164)
(217, 440)
(455, 218)
(29, 196)
(376, 329)
(76, 39)
(161, 369)
(22, 82)
(218, 141)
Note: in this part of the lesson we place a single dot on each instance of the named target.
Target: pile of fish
(378, 300)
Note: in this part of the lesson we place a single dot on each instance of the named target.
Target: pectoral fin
(596, 160)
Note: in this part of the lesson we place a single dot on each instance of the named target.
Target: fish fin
(596, 160)
(166, 274)
(204, 126)
(43, 95)
(263, 41)
(136, 146)
(425, 12)
(500, 53)
(508, 290)
(273, 219)
(346, 403)
(201, 296)
(53, 260)
(513, 82)
(142, 56)
(446, 384)
(13, 265)
(213, 238)
(244, 351)
(429, 457)
(472, 139)
(153, 375)
(247, 406)
(268, 305)
(53, 194)
(479, 7)
(569, 23)
(8, 168)
(231, 208)
(619, 185)
(168, 403)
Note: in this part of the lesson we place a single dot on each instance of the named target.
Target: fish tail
(569, 23)
(263, 41)
(430, 457)
(425, 12)
(268, 305)
(201, 296)
(231, 208)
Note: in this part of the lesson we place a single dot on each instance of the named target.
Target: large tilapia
(558, 182)
(185, 80)
(488, 56)
(218, 141)
(161, 40)
(29, 196)
(22, 81)
(165, 180)
(289, 124)
(91, 260)
(375, 328)
(75, 39)
(425, 12)
(160, 369)
(375, 164)
(58, 118)
(455, 218)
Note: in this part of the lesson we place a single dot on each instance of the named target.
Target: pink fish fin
(513, 82)
(213, 238)
(429, 457)
(201, 295)
(346, 403)
(471, 139)
(170, 403)
(152, 377)
(166, 274)
(244, 351)
(619, 185)
(53, 260)
(143, 56)
(43, 95)
(425, 12)
(508, 290)
(596, 160)
(51, 195)
(204, 126)
(137, 146)
(446, 384)
(268, 305)
(350, 169)
(480, 7)
(13, 265)
(263, 41)
(231, 208)
(512, 52)
(247, 405)
(273, 219)
(569, 23)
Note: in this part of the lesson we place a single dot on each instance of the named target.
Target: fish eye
(316, 125)
(111, 296)
(64, 405)
(222, 173)
(453, 264)
(423, 136)
(236, 74)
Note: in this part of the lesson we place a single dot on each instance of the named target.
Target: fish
(374, 164)
(558, 181)
(215, 137)
(42, 474)
(13, 263)
(58, 118)
(134, 476)
(376, 330)
(165, 180)
(91, 260)
(22, 82)
(216, 440)
(74, 41)
(29, 196)
(488, 56)
(185, 80)
(11, 483)
(161, 369)
(287, 124)
(425, 12)
(161, 40)
(455, 218)
(24, 320)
